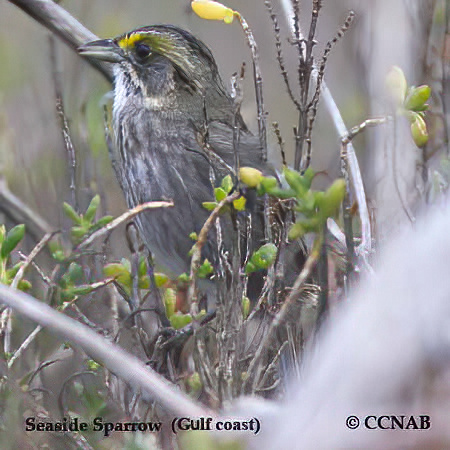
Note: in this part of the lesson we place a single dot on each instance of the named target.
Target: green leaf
(194, 382)
(311, 225)
(2, 233)
(250, 268)
(184, 278)
(93, 365)
(419, 131)
(24, 285)
(245, 307)
(119, 272)
(227, 184)
(193, 236)
(268, 184)
(306, 203)
(72, 214)
(59, 255)
(205, 269)
(300, 184)
(239, 203)
(14, 236)
(170, 301)
(92, 209)
(294, 179)
(332, 199)
(281, 193)
(80, 290)
(11, 273)
(144, 282)
(78, 232)
(179, 320)
(161, 279)
(417, 97)
(263, 258)
(210, 206)
(220, 194)
(75, 273)
(143, 267)
(308, 177)
(103, 221)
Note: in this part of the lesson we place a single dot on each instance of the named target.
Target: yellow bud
(211, 10)
(245, 307)
(250, 176)
(397, 85)
(419, 131)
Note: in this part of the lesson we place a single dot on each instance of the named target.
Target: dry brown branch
(123, 218)
(197, 251)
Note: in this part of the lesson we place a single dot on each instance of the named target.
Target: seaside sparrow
(169, 104)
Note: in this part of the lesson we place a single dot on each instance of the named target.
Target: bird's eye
(142, 50)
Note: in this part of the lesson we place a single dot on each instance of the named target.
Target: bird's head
(158, 60)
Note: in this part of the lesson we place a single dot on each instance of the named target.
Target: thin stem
(123, 218)
(262, 128)
(197, 250)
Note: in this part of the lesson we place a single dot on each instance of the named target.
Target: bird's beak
(104, 50)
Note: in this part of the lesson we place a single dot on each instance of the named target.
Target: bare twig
(25, 344)
(41, 244)
(237, 96)
(197, 249)
(305, 69)
(277, 132)
(279, 49)
(119, 220)
(262, 129)
(365, 247)
(70, 150)
(312, 105)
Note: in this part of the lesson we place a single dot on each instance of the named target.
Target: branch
(42, 243)
(197, 250)
(60, 22)
(365, 247)
(114, 358)
(123, 218)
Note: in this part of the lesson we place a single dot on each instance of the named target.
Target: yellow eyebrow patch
(130, 40)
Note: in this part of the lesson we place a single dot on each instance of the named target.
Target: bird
(173, 123)
(174, 126)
